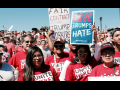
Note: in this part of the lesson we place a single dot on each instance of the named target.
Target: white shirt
(7, 72)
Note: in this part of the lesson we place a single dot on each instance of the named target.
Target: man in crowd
(10, 46)
(18, 60)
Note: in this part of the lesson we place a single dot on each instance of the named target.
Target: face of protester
(37, 59)
(82, 54)
(73, 47)
(59, 47)
(116, 37)
(27, 43)
(43, 44)
(6, 40)
(107, 55)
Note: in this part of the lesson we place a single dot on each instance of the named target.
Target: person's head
(38, 42)
(34, 31)
(3, 48)
(13, 41)
(83, 54)
(27, 41)
(43, 44)
(116, 36)
(59, 46)
(107, 53)
(34, 60)
(34, 41)
(6, 39)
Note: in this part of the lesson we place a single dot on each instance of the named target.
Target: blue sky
(27, 18)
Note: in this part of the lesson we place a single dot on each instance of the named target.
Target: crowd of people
(34, 56)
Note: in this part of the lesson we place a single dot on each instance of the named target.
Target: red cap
(59, 40)
(107, 45)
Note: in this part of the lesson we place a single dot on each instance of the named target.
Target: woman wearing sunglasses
(35, 69)
(58, 59)
(82, 65)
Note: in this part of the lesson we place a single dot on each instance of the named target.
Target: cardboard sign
(59, 20)
(81, 23)
(110, 78)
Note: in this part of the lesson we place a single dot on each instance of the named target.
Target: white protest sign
(59, 20)
(110, 78)
(10, 28)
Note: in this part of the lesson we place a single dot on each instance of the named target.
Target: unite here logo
(47, 76)
(82, 72)
(23, 64)
(59, 66)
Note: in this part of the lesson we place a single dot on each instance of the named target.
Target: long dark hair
(28, 72)
(88, 59)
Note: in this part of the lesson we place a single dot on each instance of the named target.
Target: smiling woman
(35, 69)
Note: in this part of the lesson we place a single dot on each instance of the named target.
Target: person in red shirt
(82, 65)
(58, 59)
(19, 47)
(116, 43)
(18, 60)
(108, 68)
(10, 46)
(35, 69)
(42, 36)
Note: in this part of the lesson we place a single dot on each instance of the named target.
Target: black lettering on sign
(50, 10)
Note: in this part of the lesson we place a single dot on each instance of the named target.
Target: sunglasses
(29, 41)
(80, 53)
(58, 45)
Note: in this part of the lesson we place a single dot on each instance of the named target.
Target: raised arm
(50, 42)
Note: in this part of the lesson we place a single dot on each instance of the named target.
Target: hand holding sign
(93, 28)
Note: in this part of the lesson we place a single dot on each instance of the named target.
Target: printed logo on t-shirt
(117, 60)
(82, 72)
(58, 65)
(23, 64)
(47, 76)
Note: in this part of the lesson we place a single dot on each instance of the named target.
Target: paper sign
(59, 20)
(110, 78)
(81, 23)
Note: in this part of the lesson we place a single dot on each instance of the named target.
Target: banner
(110, 78)
(81, 23)
(59, 20)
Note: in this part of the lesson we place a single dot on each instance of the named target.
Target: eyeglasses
(39, 56)
(29, 41)
(80, 53)
(58, 45)
(105, 53)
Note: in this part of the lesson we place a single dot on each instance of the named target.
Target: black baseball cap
(34, 29)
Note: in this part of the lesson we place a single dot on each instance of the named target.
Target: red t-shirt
(79, 72)
(72, 54)
(117, 57)
(42, 36)
(47, 73)
(59, 61)
(101, 71)
(10, 48)
(18, 48)
(18, 60)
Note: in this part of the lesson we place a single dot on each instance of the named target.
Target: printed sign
(110, 78)
(59, 19)
(47, 76)
(81, 23)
